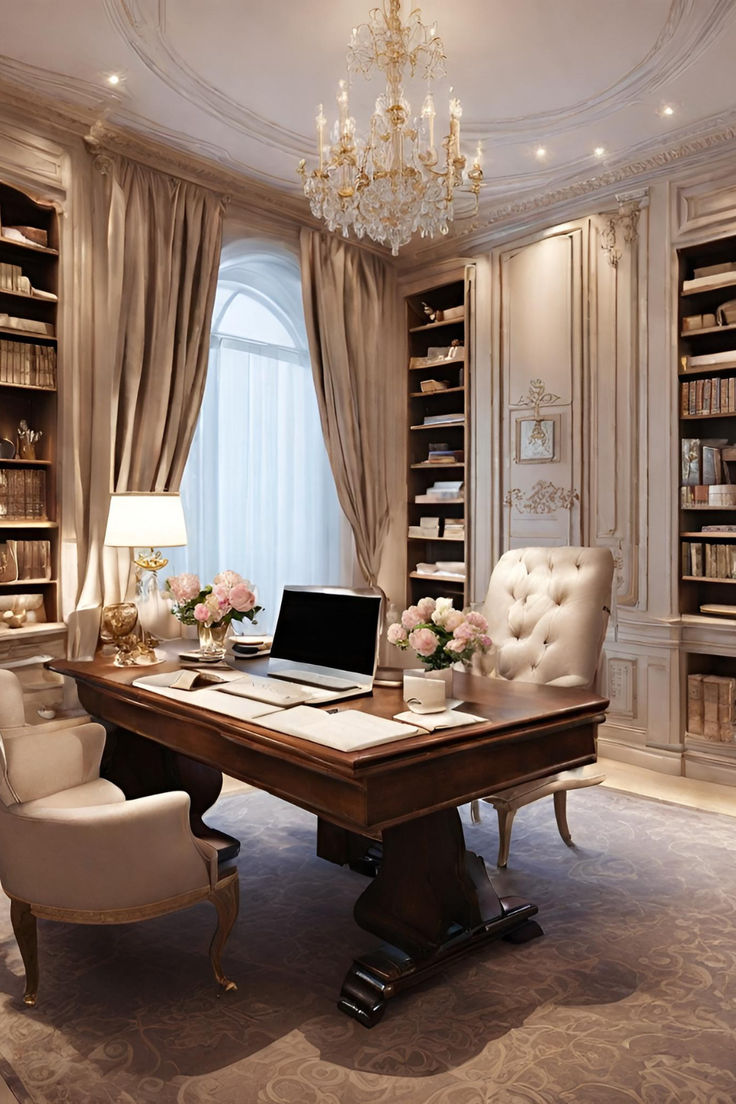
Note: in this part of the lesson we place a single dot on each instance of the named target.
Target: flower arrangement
(228, 598)
(440, 634)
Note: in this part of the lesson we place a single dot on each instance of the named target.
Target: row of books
(23, 363)
(706, 460)
(708, 396)
(707, 560)
(713, 494)
(429, 528)
(23, 493)
(711, 707)
(12, 279)
(22, 559)
(441, 453)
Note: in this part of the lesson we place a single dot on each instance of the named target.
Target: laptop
(324, 648)
(326, 640)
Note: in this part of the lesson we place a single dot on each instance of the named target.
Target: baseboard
(655, 759)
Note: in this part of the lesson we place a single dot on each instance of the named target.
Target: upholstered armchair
(547, 611)
(73, 849)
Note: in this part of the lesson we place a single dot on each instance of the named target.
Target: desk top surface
(530, 731)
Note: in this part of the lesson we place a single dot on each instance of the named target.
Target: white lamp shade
(146, 521)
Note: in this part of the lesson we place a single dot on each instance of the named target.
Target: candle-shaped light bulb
(428, 113)
(342, 102)
(321, 123)
(455, 113)
(479, 156)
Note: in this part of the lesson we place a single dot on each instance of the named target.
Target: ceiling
(238, 83)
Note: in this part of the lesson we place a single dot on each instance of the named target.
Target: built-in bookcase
(707, 506)
(29, 523)
(438, 387)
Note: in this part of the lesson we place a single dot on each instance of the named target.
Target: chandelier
(390, 182)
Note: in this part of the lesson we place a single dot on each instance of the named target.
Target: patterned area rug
(629, 997)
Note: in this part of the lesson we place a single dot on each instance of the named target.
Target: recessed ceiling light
(114, 78)
(541, 152)
(667, 110)
(599, 151)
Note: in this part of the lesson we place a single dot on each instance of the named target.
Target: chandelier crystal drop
(390, 182)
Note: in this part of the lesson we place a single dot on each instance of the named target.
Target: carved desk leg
(431, 902)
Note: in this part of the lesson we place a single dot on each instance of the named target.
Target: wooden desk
(432, 900)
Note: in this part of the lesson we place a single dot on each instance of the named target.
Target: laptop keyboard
(266, 690)
(310, 678)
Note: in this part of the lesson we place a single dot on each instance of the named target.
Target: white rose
(441, 611)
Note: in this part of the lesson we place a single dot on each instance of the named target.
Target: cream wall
(549, 305)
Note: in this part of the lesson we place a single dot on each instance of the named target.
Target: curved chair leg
(505, 820)
(24, 927)
(475, 811)
(226, 899)
(560, 799)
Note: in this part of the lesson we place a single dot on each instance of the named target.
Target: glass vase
(444, 674)
(212, 640)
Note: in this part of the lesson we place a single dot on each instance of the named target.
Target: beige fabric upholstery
(72, 847)
(547, 612)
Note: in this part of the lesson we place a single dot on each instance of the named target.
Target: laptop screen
(328, 628)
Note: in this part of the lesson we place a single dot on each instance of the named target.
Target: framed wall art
(537, 440)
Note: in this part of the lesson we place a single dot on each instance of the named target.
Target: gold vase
(212, 640)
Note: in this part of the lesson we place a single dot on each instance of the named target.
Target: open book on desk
(447, 718)
(345, 729)
(208, 696)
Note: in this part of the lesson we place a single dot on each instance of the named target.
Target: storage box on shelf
(438, 390)
(28, 430)
(707, 376)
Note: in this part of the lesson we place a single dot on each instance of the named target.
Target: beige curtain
(154, 296)
(349, 305)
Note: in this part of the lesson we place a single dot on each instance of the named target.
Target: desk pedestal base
(431, 902)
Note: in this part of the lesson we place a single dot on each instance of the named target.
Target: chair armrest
(105, 857)
(40, 761)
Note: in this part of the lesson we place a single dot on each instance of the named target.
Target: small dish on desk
(247, 647)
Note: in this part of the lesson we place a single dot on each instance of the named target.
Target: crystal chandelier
(390, 182)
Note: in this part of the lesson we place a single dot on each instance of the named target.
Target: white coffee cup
(424, 695)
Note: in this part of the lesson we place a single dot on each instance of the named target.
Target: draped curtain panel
(349, 302)
(154, 300)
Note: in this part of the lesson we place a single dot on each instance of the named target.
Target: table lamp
(148, 521)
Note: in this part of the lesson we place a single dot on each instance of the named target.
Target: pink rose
(183, 587)
(485, 642)
(396, 634)
(456, 645)
(242, 598)
(221, 594)
(426, 608)
(464, 632)
(477, 620)
(202, 612)
(411, 617)
(453, 619)
(423, 641)
(228, 578)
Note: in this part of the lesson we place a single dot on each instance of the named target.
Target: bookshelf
(438, 375)
(707, 505)
(29, 547)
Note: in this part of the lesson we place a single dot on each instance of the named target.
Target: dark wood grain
(432, 900)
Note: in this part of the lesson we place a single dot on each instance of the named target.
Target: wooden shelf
(27, 387)
(438, 577)
(28, 582)
(16, 461)
(440, 425)
(438, 325)
(27, 247)
(729, 280)
(708, 369)
(12, 331)
(432, 394)
(426, 464)
(449, 540)
(707, 507)
(708, 330)
(706, 579)
(27, 523)
(697, 417)
(446, 362)
(708, 536)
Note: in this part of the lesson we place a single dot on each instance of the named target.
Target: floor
(619, 776)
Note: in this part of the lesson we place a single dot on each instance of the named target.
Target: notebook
(344, 729)
(326, 639)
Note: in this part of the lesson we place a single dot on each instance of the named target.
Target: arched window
(258, 493)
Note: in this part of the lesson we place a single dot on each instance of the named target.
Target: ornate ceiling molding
(142, 25)
(690, 29)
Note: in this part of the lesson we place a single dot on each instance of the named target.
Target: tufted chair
(73, 849)
(547, 611)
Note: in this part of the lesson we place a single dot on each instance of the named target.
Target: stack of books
(427, 529)
(443, 454)
(31, 365)
(23, 493)
(454, 529)
(711, 712)
(442, 490)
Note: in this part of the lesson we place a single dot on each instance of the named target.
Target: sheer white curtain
(258, 492)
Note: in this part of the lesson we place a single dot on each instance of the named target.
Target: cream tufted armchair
(73, 849)
(547, 611)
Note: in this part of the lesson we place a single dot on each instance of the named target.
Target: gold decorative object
(118, 622)
(544, 498)
(27, 440)
(391, 182)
